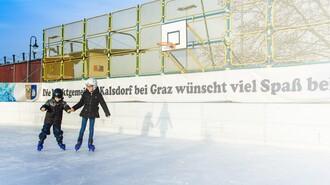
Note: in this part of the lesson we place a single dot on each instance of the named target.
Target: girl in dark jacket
(90, 99)
(54, 108)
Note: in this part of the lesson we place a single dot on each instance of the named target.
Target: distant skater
(90, 99)
(54, 114)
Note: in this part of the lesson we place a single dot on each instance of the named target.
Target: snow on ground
(136, 160)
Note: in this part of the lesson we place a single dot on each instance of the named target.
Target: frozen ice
(139, 160)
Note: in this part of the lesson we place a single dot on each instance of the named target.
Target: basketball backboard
(174, 33)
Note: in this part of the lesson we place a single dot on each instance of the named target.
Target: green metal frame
(226, 41)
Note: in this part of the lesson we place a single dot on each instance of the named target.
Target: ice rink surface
(136, 160)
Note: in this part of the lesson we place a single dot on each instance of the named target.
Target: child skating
(54, 114)
(90, 99)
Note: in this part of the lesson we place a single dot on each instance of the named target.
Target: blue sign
(7, 92)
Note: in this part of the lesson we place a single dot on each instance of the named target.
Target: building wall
(16, 72)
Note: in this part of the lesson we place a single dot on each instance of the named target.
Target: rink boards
(293, 125)
(271, 106)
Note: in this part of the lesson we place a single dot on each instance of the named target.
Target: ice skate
(61, 145)
(78, 145)
(90, 145)
(40, 145)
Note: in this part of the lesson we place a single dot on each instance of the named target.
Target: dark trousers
(58, 133)
(83, 127)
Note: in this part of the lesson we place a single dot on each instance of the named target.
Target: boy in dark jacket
(54, 108)
(90, 99)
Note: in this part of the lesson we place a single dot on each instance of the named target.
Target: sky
(22, 19)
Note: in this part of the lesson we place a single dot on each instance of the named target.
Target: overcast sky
(21, 19)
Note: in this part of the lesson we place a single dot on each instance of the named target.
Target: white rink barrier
(290, 125)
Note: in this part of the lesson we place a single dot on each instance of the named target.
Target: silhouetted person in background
(147, 124)
(164, 121)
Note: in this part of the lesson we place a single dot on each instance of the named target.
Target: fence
(221, 35)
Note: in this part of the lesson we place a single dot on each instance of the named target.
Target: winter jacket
(54, 112)
(91, 102)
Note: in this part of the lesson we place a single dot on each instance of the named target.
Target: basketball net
(168, 45)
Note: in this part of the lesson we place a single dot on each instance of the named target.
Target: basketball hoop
(168, 45)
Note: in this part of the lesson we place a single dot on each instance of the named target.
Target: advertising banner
(308, 83)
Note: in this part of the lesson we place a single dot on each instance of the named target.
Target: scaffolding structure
(221, 35)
